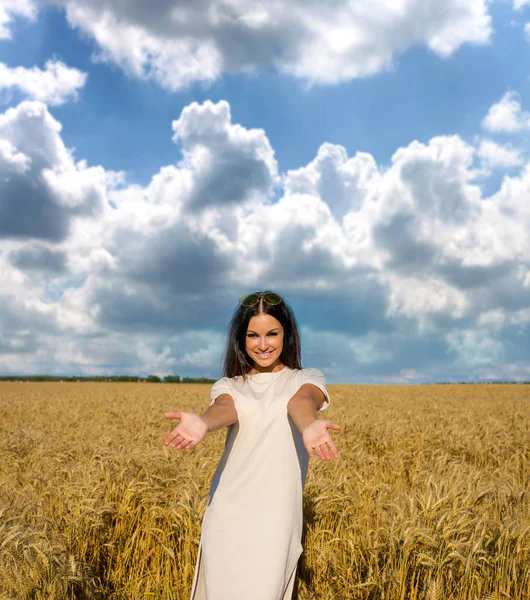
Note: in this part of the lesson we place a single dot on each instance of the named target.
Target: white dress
(252, 528)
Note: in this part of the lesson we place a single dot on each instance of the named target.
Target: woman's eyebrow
(270, 330)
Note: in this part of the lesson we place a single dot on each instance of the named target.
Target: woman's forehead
(264, 322)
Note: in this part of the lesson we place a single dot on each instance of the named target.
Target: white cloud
(197, 40)
(492, 319)
(343, 183)
(174, 61)
(474, 348)
(516, 371)
(42, 189)
(227, 164)
(518, 4)
(378, 259)
(507, 115)
(54, 85)
(11, 159)
(495, 155)
(419, 298)
(410, 375)
(524, 276)
(370, 348)
(10, 8)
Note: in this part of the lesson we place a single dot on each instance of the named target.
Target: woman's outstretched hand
(188, 433)
(317, 438)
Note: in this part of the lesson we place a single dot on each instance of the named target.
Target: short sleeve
(221, 386)
(317, 378)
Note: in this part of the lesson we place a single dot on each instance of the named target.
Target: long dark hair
(237, 362)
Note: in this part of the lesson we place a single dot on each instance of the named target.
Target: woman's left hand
(317, 438)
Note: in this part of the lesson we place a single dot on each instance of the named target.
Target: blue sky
(368, 161)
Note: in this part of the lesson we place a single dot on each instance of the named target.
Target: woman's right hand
(188, 433)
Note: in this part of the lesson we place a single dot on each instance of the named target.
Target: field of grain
(429, 499)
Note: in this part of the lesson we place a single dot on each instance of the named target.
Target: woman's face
(264, 342)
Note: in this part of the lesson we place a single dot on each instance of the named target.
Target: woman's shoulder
(223, 382)
(311, 371)
(311, 375)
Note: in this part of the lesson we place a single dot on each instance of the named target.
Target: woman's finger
(174, 432)
(173, 415)
(331, 425)
(333, 448)
(325, 451)
(183, 443)
(319, 452)
(171, 436)
(177, 440)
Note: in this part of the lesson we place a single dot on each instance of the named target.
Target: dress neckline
(267, 373)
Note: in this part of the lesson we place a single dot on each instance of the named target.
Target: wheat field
(429, 499)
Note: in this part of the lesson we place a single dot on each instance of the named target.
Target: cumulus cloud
(403, 271)
(53, 85)
(495, 155)
(343, 183)
(197, 40)
(41, 187)
(12, 8)
(507, 115)
(227, 164)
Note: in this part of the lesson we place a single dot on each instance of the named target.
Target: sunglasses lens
(269, 298)
(249, 299)
(272, 298)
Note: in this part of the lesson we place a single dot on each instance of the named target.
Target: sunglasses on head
(268, 297)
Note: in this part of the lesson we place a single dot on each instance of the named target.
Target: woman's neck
(274, 368)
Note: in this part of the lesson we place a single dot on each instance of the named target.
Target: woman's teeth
(266, 355)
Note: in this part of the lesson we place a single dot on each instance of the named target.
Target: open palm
(188, 433)
(317, 439)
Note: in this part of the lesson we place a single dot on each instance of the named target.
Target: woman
(252, 528)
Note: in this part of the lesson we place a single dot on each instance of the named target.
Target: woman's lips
(264, 355)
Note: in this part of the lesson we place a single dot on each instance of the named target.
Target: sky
(370, 161)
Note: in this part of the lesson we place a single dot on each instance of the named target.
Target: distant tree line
(134, 378)
(178, 379)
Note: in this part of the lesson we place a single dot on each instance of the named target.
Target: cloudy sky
(368, 160)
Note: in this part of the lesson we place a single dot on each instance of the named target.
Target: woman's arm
(302, 407)
(221, 414)
(192, 428)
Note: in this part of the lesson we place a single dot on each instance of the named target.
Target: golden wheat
(429, 499)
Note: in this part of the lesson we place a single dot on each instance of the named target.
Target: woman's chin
(269, 363)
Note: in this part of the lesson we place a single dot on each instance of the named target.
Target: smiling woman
(264, 338)
(252, 528)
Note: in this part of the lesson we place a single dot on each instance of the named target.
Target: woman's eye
(269, 335)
